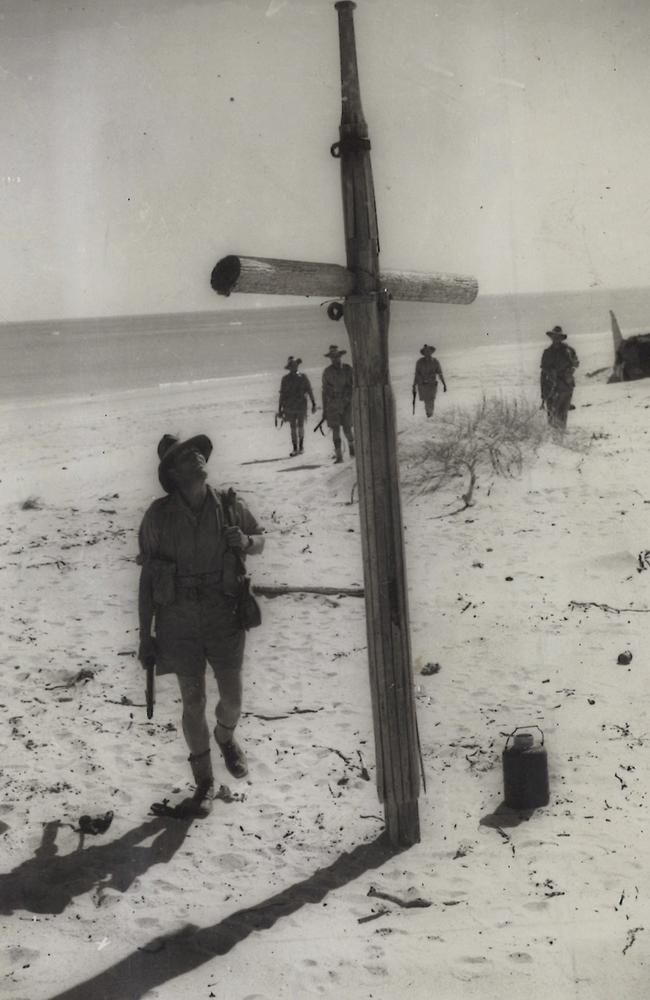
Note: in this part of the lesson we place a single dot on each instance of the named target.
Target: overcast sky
(140, 141)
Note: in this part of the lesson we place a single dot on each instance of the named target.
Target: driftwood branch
(382, 911)
(273, 718)
(346, 760)
(585, 605)
(452, 513)
(279, 591)
(414, 901)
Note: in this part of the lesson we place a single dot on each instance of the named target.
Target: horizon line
(306, 302)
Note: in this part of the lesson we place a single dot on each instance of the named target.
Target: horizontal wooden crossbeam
(269, 276)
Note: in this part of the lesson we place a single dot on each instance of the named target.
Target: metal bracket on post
(350, 144)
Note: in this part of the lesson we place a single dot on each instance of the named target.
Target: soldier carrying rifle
(337, 400)
(557, 382)
(295, 389)
(425, 380)
(191, 552)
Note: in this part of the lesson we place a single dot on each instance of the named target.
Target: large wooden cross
(367, 293)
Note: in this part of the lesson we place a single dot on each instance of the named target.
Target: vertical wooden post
(366, 314)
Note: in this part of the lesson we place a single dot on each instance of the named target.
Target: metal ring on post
(335, 311)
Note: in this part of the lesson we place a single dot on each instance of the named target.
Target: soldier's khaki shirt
(337, 388)
(193, 577)
(193, 542)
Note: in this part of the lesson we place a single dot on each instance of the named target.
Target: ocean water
(87, 357)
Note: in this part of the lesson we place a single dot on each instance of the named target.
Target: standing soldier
(192, 544)
(292, 405)
(425, 380)
(337, 400)
(557, 383)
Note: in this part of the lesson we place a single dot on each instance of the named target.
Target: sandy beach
(524, 599)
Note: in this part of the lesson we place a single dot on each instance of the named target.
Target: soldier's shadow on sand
(175, 954)
(299, 468)
(48, 882)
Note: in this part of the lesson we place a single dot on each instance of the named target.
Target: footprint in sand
(376, 970)
(18, 954)
(232, 862)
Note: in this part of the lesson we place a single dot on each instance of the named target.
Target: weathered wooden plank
(266, 590)
(412, 286)
(366, 315)
(272, 276)
(367, 292)
(397, 523)
(389, 656)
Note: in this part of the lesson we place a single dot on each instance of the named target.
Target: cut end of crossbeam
(225, 275)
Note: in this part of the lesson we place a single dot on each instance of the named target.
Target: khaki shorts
(199, 628)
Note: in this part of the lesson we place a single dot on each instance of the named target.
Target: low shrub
(497, 435)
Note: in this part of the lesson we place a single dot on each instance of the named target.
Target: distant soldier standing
(557, 383)
(295, 388)
(425, 380)
(337, 400)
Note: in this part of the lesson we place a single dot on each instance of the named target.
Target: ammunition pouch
(163, 581)
(195, 586)
(248, 609)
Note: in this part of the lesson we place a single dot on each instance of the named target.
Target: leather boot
(233, 756)
(201, 765)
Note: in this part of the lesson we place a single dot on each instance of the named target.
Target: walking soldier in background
(295, 388)
(191, 555)
(557, 382)
(337, 400)
(425, 380)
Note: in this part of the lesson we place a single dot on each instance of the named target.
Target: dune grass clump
(496, 436)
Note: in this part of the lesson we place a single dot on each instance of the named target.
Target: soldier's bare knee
(194, 700)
